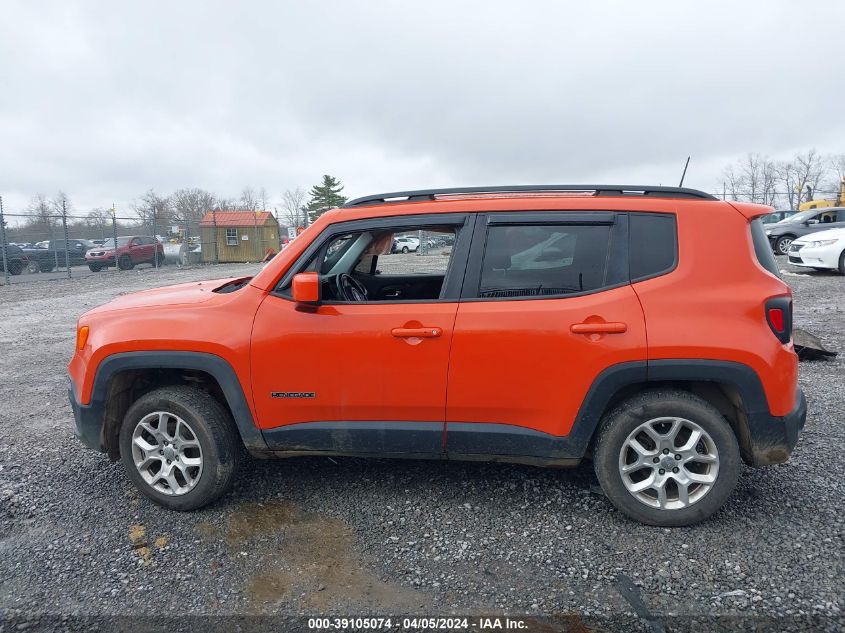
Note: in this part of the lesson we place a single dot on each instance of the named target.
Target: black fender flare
(215, 366)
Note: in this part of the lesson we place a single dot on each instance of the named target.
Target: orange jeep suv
(556, 323)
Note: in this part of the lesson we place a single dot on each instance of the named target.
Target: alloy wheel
(167, 453)
(669, 463)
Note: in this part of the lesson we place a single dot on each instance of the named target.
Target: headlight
(768, 231)
(109, 253)
(818, 243)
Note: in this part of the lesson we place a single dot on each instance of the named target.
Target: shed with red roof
(238, 236)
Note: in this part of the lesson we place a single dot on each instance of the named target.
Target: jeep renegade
(561, 322)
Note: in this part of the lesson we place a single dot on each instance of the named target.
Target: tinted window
(542, 260)
(652, 244)
(762, 248)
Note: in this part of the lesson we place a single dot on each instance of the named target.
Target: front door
(546, 307)
(365, 370)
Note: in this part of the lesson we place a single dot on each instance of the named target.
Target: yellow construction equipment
(821, 204)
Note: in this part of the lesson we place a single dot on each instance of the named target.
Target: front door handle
(416, 332)
(599, 328)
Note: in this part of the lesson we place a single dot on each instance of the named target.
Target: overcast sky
(105, 100)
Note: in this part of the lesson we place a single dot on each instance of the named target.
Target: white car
(405, 244)
(821, 250)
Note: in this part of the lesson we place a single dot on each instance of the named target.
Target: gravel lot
(351, 537)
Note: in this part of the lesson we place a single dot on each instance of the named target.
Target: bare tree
(59, 203)
(190, 205)
(98, 219)
(249, 200)
(154, 210)
(801, 176)
(41, 214)
(293, 206)
(837, 167)
(752, 179)
(225, 204)
(264, 202)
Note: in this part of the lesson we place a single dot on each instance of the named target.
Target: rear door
(546, 307)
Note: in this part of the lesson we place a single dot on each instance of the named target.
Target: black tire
(125, 262)
(213, 427)
(842, 263)
(46, 267)
(617, 425)
(15, 267)
(782, 244)
(94, 268)
(405, 249)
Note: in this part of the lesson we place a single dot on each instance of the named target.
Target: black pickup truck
(16, 259)
(46, 258)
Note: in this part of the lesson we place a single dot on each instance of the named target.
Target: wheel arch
(732, 388)
(123, 378)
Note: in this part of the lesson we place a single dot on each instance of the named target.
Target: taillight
(779, 317)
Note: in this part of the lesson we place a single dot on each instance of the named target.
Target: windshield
(121, 241)
(799, 217)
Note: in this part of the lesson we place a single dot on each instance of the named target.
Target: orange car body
(531, 364)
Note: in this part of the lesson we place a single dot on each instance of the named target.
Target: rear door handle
(599, 328)
(416, 332)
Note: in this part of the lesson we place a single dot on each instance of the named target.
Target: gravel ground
(351, 537)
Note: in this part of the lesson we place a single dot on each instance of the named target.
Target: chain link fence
(68, 245)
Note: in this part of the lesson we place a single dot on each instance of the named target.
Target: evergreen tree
(324, 196)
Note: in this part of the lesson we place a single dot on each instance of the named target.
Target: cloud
(106, 100)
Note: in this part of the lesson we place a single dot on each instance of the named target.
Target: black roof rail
(596, 190)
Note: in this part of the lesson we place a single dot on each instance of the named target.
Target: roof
(237, 218)
(524, 191)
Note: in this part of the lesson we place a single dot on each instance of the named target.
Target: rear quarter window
(652, 244)
(762, 248)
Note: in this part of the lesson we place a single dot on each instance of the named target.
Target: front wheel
(125, 262)
(16, 267)
(180, 447)
(667, 458)
(94, 268)
(783, 244)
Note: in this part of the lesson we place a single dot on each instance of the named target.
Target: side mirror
(306, 288)
(814, 221)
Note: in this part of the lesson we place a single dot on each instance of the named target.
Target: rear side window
(762, 248)
(653, 244)
(543, 260)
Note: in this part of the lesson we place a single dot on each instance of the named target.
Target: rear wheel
(179, 447)
(46, 267)
(667, 458)
(125, 262)
(783, 243)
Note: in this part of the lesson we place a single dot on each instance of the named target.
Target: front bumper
(815, 257)
(772, 439)
(89, 420)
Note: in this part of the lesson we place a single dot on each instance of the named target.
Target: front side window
(231, 237)
(368, 266)
(543, 260)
